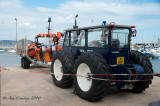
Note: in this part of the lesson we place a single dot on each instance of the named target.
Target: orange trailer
(37, 51)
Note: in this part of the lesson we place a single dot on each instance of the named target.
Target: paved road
(32, 87)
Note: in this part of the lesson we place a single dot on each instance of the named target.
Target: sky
(32, 16)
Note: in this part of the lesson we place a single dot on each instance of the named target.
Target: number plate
(120, 60)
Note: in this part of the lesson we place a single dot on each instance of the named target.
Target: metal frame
(99, 26)
(22, 49)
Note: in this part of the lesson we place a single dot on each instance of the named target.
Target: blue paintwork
(124, 69)
(139, 70)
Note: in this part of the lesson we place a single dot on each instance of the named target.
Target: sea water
(11, 59)
(156, 65)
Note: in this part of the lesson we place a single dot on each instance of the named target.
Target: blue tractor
(90, 53)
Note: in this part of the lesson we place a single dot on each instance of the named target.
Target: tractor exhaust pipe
(75, 26)
(76, 20)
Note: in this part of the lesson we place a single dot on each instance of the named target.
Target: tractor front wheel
(87, 86)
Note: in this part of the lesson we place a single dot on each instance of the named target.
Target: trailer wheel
(86, 87)
(25, 63)
(22, 62)
(139, 58)
(62, 63)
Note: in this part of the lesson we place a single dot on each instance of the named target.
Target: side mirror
(62, 34)
(134, 32)
(65, 33)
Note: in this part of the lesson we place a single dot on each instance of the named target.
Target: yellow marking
(120, 60)
(150, 58)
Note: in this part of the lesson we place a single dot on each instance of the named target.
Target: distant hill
(9, 43)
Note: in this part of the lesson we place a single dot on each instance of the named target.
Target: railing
(22, 47)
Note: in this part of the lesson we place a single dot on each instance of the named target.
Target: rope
(154, 74)
(112, 74)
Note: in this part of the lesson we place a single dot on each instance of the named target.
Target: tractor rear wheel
(25, 63)
(62, 63)
(139, 58)
(87, 86)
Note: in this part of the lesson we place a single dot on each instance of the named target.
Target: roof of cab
(99, 26)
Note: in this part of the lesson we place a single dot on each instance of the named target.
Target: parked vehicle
(37, 51)
(90, 52)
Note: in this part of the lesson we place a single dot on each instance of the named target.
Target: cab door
(119, 46)
(72, 43)
(77, 43)
(66, 43)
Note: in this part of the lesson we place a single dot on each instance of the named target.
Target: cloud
(43, 9)
(120, 12)
(118, 8)
(33, 20)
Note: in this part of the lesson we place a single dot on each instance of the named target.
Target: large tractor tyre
(62, 63)
(25, 63)
(139, 58)
(87, 86)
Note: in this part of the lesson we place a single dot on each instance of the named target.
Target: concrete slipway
(34, 87)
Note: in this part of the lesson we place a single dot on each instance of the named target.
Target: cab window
(66, 40)
(119, 38)
(98, 37)
(78, 40)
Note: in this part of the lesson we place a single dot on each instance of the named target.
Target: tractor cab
(111, 41)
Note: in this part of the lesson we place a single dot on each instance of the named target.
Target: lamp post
(16, 38)
(49, 28)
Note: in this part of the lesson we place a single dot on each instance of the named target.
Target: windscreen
(45, 41)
